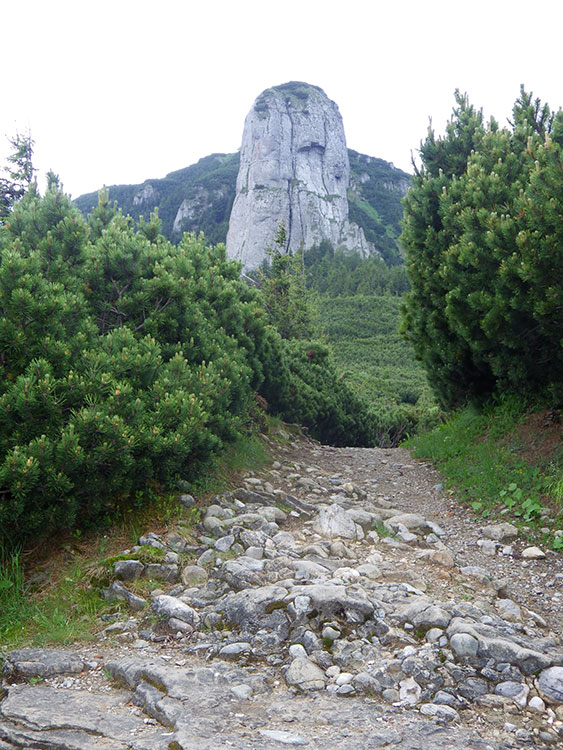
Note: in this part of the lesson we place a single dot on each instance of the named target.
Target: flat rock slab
(40, 662)
(285, 738)
(58, 719)
(208, 717)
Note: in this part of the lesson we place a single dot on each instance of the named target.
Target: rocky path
(339, 598)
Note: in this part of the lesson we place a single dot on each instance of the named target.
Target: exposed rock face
(294, 168)
(146, 195)
(192, 209)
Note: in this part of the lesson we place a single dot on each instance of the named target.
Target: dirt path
(413, 486)
(338, 598)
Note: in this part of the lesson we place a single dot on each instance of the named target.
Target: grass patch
(381, 530)
(47, 612)
(503, 461)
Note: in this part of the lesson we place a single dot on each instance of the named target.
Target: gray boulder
(499, 646)
(162, 572)
(247, 609)
(412, 521)
(128, 570)
(439, 711)
(117, 592)
(335, 522)
(550, 684)
(171, 606)
(330, 599)
(500, 532)
(192, 575)
(305, 674)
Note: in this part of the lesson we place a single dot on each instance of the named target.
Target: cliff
(294, 168)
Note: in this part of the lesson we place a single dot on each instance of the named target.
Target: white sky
(124, 90)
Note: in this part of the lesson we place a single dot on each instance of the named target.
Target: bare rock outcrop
(294, 168)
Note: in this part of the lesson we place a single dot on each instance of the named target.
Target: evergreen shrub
(125, 361)
(483, 233)
(318, 399)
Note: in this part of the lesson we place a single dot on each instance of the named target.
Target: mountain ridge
(216, 174)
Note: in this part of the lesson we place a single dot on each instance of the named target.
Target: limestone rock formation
(147, 195)
(192, 209)
(294, 168)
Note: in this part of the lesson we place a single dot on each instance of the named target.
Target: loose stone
(285, 738)
(335, 522)
(500, 532)
(439, 711)
(409, 691)
(536, 704)
(243, 692)
(192, 575)
(550, 684)
(235, 649)
(533, 553)
(170, 606)
(305, 674)
(224, 543)
(515, 690)
(128, 570)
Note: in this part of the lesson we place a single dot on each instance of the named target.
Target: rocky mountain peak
(294, 168)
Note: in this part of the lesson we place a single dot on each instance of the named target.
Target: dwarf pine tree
(484, 258)
(19, 173)
(430, 228)
(286, 297)
(125, 360)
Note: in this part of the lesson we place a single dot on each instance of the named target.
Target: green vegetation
(296, 93)
(320, 400)
(378, 364)
(70, 607)
(374, 201)
(129, 363)
(282, 280)
(19, 173)
(208, 186)
(64, 614)
(126, 361)
(504, 460)
(334, 273)
(316, 293)
(484, 243)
